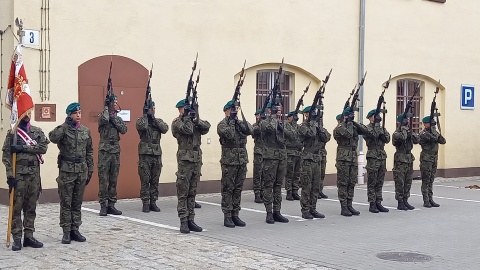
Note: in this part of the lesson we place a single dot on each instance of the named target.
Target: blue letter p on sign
(468, 97)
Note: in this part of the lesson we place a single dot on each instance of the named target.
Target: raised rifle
(409, 107)
(236, 94)
(276, 90)
(148, 94)
(347, 103)
(355, 99)
(187, 106)
(317, 103)
(194, 114)
(381, 100)
(300, 102)
(434, 111)
(322, 91)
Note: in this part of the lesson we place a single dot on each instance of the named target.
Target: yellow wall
(402, 37)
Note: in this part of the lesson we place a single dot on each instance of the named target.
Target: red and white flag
(18, 98)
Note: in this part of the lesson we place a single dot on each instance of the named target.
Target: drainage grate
(404, 257)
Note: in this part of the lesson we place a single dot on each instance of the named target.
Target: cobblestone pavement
(139, 240)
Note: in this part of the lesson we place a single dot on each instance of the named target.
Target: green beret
(269, 105)
(113, 97)
(228, 105)
(73, 107)
(290, 114)
(426, 119)
(370, 113)
(307, 109)
(258, 111)
(180, 104)
(346, 111)
(339, 117)
(400, 118)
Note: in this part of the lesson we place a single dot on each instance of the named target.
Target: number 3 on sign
(31, 37)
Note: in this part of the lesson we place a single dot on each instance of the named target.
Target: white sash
(29, 141)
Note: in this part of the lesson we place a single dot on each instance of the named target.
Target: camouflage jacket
(110, 127)
(27, 162)
(150, 131)
(273, 138)
(293, 143)
(323, 151)
(346, 135)
(312, 136)
(376, 137)
(403, 141)
(188, 135)
(233, 138)
(257, 139)
(429, 141)
(75, 145)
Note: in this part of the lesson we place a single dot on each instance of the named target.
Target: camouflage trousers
(310, 176)
(233, 177)
(346, 181)
(25, 199)
(273, 173)
(402, 175)
(188, 175)
(428, 170)
(149, 170)
(323, 168)
(108, 167)
(257, 173)
(292, 179)
(376, 169)
(70, 189)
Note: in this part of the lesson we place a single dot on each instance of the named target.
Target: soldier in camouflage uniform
(294, 149)
(323, 163)
(274, 164)
(110, 126)
(376, 137)
(346, 135)
(75, 163)
(312, 135)
(403, 139)
(150, 130)
(233, 135)
(26, 180)
(187, 130)
(429, 140)
(257, 158)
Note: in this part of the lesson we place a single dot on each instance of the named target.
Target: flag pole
(20, 33)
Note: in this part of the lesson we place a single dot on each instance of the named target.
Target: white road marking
(438, 197)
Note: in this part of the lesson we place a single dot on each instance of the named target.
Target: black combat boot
(194, 227)
(289, 196)
(227, 222)
(295, 195)
(146, 207)
(258, 198)
(401, 205)
(197, 205)
(76, 236)
(427, 204)
(269, 219)
(66, 238)
(345, 212)
(113, 211)
(316, 214)
(381, 208)
(184, 226)
(351, 209)
(278, 217)
(238, 222)
(154, 207)
(373, 208)
(322, 195)
(103, 210)
(307, 215)
(17, 244)
(409, 206)
(434, 204)
(32, 242)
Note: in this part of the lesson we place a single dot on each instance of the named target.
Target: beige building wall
(408, 39)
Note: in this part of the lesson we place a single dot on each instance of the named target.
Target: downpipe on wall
(361, 68)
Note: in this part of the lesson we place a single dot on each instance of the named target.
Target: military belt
(146, 140)
(273, 145)
(111, 142)
(312, 151)
(76, 160)
(375, 148)
(27, 162)
(188, 147)
(350, 148)
(403, 152)
(294, 148)
(429, 152)
(234, 145)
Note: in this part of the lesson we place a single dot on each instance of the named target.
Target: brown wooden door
(129, 80)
